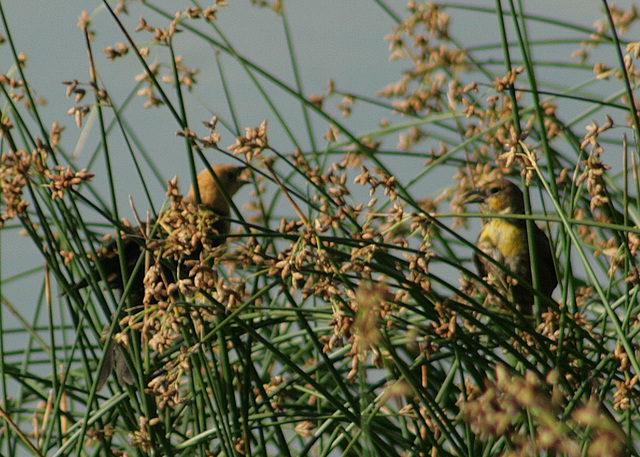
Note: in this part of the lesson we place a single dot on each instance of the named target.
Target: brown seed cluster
(79, 112)
(496, 411)
(190, 238)
(65, 178)
(594, 168)
(15, 170)
(14, 88)
(252, 143)
(423, 40)
(20, 168)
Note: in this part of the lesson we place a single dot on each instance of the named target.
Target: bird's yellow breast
(508, 238)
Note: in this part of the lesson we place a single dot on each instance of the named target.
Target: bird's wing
(547, 270)
(109, 259)
(478, 261)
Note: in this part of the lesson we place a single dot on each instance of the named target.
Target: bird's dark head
(497, 197)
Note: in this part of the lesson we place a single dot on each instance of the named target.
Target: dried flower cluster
(423, 87)
(80, 111)
(13, 86)
(64, 179)
(19, 169)
(593, 167)
(252, 143)
(183, 250)
(496, 411)
(14, 176)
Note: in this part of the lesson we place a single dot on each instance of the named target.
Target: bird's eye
(494, 190)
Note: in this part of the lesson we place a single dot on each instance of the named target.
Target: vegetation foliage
(343, 316)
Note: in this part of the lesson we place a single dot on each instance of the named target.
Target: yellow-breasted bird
(505, 241)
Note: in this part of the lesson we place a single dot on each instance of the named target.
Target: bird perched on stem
(505, 240)
(184, 232)
(133, 242)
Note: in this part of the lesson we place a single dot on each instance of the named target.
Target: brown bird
(134, 244)
(211, 198)
(506, 242)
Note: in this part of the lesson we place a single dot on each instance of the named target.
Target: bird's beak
(242, 182)
(474, 196)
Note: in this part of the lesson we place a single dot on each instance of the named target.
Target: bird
(134, 244)
(505, 240)
(133, 241)
(211, 197)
